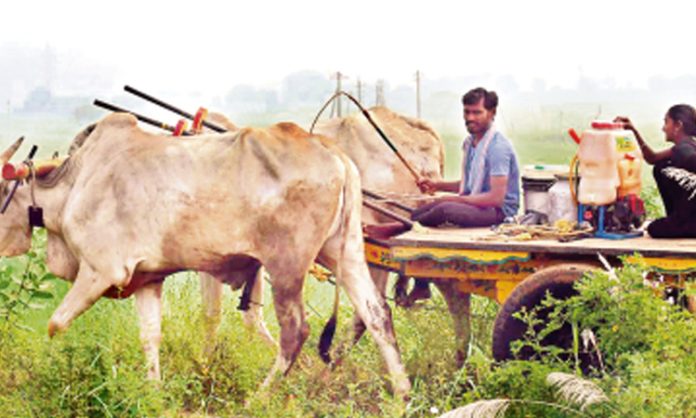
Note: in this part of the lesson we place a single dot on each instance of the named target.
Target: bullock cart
(518, 274)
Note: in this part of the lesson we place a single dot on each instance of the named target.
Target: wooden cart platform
(493, 266)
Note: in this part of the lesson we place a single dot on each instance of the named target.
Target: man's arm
(492, 198)
(429, 186)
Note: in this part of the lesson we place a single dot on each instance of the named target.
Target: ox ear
(5, 157)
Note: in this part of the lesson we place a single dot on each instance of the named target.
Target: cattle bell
(36, 217)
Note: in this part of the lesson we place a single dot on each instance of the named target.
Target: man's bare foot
(385, 231)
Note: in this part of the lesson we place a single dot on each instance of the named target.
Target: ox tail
(348, 201)
(329, 331)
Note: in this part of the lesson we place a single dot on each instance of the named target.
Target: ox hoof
(53, 329)
(402, 390)
(403, 396)
(56, 326)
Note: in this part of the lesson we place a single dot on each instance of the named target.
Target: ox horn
(9, 152)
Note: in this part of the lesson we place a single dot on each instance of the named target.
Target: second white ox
(382, 172)
(129, 208)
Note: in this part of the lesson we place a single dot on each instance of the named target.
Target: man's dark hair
(473, 96)
(686, 115)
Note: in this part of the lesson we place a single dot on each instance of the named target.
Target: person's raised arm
(649, 155)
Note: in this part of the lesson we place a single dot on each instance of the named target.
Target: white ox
(380, 171)
(129, 208)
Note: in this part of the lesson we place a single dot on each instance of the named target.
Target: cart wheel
(558, 280)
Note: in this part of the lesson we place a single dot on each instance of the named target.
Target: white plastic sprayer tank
(610, 162)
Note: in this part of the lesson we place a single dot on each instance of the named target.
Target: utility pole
(339, 77)
(379, 93)
(359, 90)
(418, 100)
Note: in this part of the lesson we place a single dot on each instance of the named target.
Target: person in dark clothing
(679, 128)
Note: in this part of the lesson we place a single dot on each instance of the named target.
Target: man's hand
(426, 185)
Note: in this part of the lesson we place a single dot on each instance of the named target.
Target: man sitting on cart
(487, 193)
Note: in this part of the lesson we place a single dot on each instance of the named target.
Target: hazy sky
(204, 43)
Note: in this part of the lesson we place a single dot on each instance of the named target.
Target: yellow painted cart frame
(493, 267)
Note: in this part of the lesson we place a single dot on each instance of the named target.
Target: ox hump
(289, 129)
(120, 120)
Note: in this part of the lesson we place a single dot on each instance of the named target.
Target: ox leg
(691, 304)
(88, 287)
(253, 317)
(148, 301)
(459, 305)
(380, 278)
(375, 313)
(211, 294)
(287, 300)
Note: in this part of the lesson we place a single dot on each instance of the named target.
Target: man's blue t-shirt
(501, 160)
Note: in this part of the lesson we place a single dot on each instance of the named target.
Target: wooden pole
(388, 213)
(145, 119)
(171, 108)
(394, 203)
(379, 93)
(339, 76)
(359, 90)
(338, 88)
(418, 100)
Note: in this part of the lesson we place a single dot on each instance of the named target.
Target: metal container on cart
(537, 180)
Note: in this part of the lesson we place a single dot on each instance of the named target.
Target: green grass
(97, 368)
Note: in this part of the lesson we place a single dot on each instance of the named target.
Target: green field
(97, 369)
